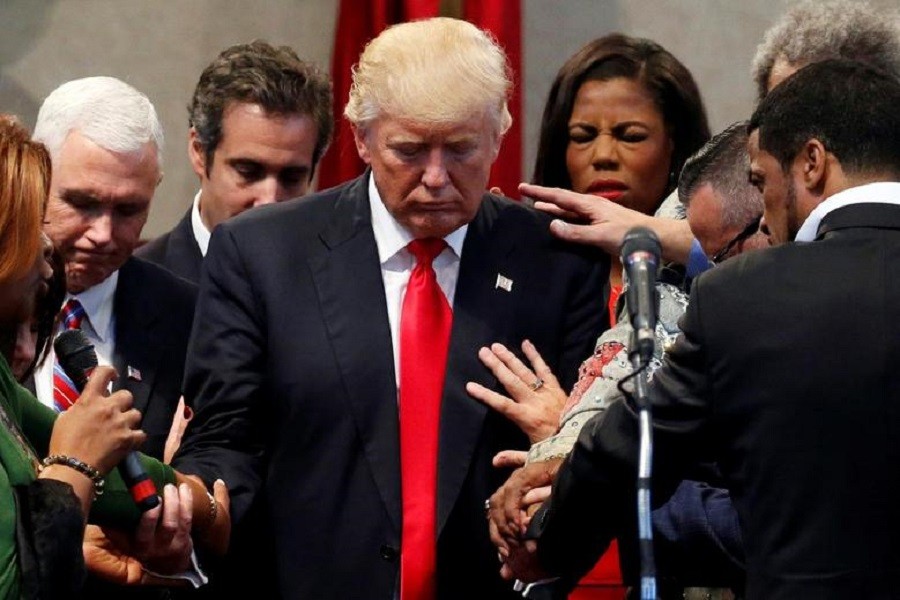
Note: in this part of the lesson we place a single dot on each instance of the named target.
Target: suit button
(388, 553)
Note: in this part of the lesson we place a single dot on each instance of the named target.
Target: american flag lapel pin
(134, 373)
(504, 283)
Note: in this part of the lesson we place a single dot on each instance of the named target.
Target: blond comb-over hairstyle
(24, 185)
(437, 71)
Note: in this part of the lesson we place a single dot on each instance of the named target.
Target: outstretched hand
(586, 219)
(535, 398)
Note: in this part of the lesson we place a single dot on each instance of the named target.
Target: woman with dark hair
(622, 117)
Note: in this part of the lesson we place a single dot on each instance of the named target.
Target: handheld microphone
(640, 259)
(77, 358)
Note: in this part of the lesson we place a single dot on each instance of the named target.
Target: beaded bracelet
(82, 467)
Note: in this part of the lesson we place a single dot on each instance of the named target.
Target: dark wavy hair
(272, 77)
(612, 56)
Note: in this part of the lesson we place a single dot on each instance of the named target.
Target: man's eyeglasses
(752, 228)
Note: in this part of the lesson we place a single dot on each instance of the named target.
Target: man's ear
(196, 154)
(360, 136)
(813, 160)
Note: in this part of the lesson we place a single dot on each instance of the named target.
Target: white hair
(106, 110)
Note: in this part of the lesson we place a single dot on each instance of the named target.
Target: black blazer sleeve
(225, 382)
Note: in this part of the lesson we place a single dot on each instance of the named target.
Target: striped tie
(64, 392)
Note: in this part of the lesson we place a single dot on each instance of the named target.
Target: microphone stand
(645, 465)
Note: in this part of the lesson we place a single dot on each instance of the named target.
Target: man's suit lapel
(137, 322)
(348, 282)
(482, 314)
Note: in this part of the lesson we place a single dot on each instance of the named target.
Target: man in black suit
(297, 368)
(786, 371)
(260, 119)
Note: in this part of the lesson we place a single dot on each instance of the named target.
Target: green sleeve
(115, 507)
(36, 420)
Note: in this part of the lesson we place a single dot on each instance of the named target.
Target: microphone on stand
(640, 259)
(77, 358)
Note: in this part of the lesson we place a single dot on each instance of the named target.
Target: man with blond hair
(335, 335)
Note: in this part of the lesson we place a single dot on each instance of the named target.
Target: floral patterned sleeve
(600, 374)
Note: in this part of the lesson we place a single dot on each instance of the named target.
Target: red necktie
(424, 338)
(64, 392)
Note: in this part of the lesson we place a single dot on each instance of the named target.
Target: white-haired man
(105, 143)
(327, 366)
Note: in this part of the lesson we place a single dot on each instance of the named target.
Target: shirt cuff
(194, 575)
(527, 588)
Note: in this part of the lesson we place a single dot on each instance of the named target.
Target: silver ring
(487, 507)
(537, 384)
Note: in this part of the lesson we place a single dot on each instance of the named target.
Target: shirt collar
(881, 192)
(201, 233)
(391, 237)
(98, 304)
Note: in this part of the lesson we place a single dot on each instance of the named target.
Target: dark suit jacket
(787, 376)
(154, 311)
(291, 371)
(176, 250)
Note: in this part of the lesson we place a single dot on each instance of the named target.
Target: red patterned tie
(424, 339)
(64, 392)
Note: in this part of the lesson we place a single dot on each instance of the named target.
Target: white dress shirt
(99, 326)
(882, 192)
(397, 264)
(201, 233)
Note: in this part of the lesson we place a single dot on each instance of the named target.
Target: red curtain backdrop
(360, 21)
(503, 18)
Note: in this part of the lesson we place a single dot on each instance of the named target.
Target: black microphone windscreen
(640, 239)
(75, 353)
